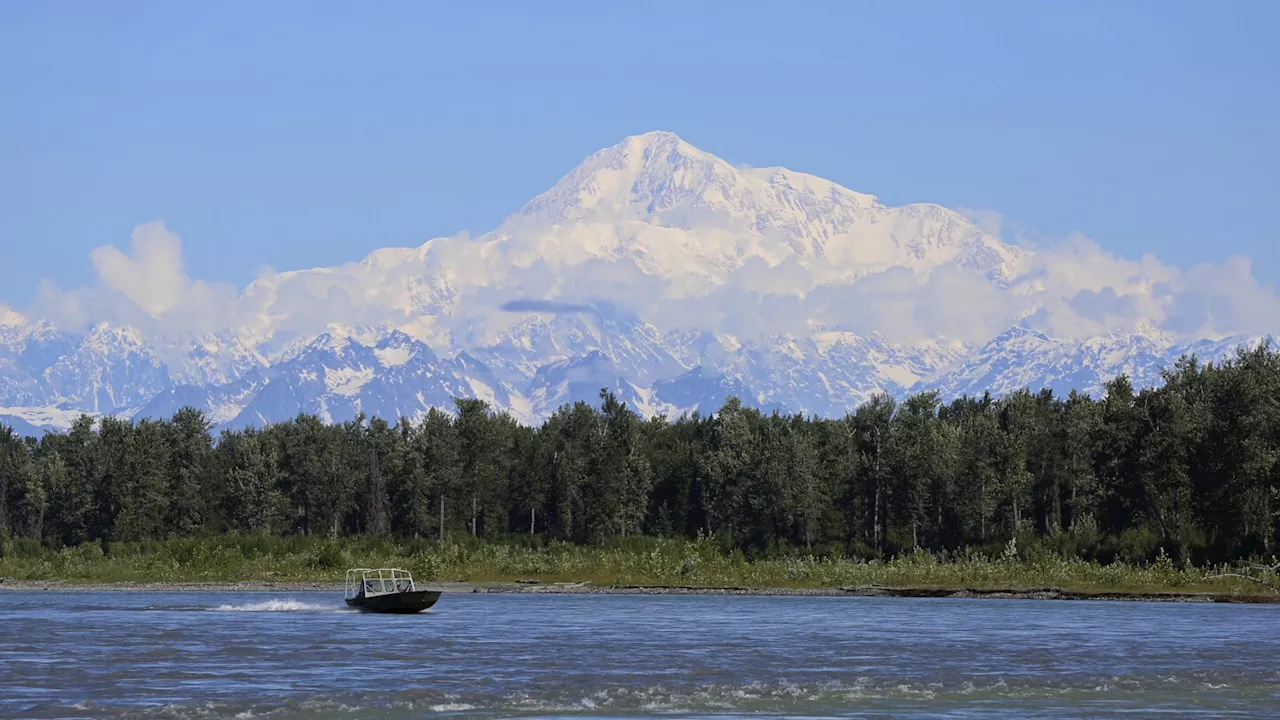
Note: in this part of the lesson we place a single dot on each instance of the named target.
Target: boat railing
(377, 581)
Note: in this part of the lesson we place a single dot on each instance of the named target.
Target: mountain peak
(334, 341)
(642, 174)
(624, 202)
(653, 268)
(657, 139)
(395, 339)
(105, 334)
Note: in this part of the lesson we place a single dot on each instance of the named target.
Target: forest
(1189, 470)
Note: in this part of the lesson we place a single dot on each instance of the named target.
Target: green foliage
(1188, 474)
(622, 561)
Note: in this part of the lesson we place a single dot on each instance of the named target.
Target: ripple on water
(862, 697)
(485, 657)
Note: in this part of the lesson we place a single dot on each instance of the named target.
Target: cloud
(151, 275)
(10, 317)
(1221, 299)
(1104, 305)
(1085, 289)
(758, 276)
(1076, 288)
(988, 221)
(545, 306)
(907, 307)
(146, 287)
(998, 225)
(468, 291)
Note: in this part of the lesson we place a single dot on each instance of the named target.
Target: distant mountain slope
(655, 269)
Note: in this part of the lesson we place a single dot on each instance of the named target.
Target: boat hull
(403, 602)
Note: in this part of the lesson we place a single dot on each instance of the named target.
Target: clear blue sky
(295, 134)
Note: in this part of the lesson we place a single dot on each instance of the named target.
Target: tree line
(1191, 468)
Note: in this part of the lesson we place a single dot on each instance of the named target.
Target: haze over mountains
(654, 269)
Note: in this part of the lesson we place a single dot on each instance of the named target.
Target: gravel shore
(531, 587)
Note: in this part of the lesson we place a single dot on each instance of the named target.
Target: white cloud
(1008, 230)
(1222, 299)
(67, 310)
(991, 222)
(151, 275)
(455, 289)
(907, 307)
(146, 287)
(1076, 288)
(9, 317)
(1084, 289)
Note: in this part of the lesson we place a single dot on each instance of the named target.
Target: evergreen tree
(874, 426)
(12, 467)
(250, 494)
(1191, 468)
(191, 444)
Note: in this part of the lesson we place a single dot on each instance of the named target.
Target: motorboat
(386, 590)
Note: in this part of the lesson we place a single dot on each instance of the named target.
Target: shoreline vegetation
(1143, 492)
(633, 566)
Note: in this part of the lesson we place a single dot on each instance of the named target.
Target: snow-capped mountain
(112, 368)
(646, 196)
(337, 378)
(1023, 358)
(654, 269)
(215, 358)
(581, 379)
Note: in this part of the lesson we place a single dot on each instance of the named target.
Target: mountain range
(654, 269)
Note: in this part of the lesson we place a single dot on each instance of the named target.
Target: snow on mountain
(47, 418)
(1021, 358)
(22, 428)
(637, 349)
(112, 369)
(221, 404)
(650, 220)
(678, 211)
(337, 377)
(26, 351)
(1218, 348)
(705, 392)
(581, 379)
(216, 358)
(653, 268)
(828, 374)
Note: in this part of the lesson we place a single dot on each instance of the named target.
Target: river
(303, 655)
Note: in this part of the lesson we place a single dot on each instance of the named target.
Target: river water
(303, 655)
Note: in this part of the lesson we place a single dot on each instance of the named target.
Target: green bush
(1023, 563)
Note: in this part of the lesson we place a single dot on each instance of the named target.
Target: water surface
(303, 655)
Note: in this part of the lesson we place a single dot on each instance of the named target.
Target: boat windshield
(365, 582)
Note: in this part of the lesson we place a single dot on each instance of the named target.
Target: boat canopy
(367, 582)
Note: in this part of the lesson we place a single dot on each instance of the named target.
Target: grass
(634, 561)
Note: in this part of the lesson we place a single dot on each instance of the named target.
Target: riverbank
(646, 565)
(583, 588)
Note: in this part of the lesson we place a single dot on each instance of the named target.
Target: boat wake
(279, 606)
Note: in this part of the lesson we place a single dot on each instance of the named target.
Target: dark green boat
(386, 590)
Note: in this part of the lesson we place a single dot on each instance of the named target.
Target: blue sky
(291, 134)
